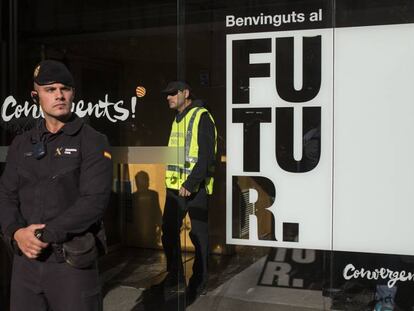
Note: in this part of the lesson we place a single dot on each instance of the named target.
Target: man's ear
(35, 96)
(186, 94)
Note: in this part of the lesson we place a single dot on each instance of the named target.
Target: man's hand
(184, 192)
(28, 243)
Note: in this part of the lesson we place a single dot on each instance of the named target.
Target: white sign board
(374, 145)
(353, 192)
(274, 86)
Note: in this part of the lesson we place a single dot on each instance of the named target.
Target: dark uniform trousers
(52, 286)
(176, 208)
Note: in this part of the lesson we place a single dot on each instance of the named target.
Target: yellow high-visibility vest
(185, 134)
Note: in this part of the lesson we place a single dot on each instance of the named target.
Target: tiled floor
(129, 276)
(236, 282)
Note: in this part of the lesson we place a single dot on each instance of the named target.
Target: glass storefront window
(311, 201)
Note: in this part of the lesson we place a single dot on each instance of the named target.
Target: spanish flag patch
(107, 155)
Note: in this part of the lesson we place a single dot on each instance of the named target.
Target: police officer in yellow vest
(189, 182)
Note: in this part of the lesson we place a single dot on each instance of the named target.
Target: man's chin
(63, 117)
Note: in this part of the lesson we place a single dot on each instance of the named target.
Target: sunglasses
(173, 93)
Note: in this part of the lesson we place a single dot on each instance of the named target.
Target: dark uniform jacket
(68, 189)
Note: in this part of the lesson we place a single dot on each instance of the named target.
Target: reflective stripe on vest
(185, 134)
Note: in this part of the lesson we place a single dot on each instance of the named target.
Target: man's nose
(60, 94)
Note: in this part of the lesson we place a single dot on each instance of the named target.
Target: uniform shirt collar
(194, 103)
(73, 125)
(70, 128)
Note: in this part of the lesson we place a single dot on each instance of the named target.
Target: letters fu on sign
(279, 138)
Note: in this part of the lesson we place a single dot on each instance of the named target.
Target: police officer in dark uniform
(55, 187)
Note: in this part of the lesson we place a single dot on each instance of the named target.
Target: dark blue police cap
(175, 86)
(51, 71)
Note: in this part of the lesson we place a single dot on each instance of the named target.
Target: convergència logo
(114, 111)
(351, 272)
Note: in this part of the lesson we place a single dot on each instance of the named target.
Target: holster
(83, 250)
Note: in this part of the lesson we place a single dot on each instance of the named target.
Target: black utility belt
(81, 252)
